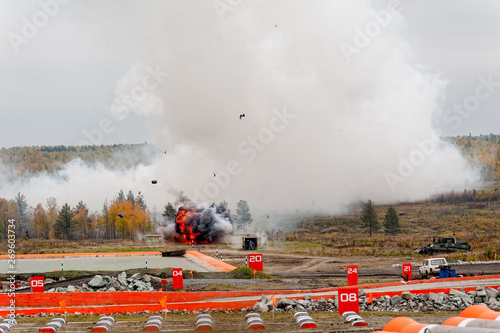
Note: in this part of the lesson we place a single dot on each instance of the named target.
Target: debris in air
(154, 181)
(120, 215)
(242, 115)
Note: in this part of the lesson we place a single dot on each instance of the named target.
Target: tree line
(482, 151)
(125, 217)
(32, 160)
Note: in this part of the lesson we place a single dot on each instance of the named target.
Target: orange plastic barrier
(403, 324)
(480, 312)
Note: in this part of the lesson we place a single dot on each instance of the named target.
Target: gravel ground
(233, 322)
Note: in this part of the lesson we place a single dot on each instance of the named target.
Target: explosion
(202, 226)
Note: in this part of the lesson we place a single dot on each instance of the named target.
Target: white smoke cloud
(355, 132)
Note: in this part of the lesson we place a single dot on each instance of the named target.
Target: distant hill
(482, 151)
(32, 160)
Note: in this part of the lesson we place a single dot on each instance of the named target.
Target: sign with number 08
(348, 300)
(255, 261)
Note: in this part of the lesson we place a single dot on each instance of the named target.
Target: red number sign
(37, 284)
(255, 261)
(348, 300)
(177, 278)
(407, 270)
(352, 275)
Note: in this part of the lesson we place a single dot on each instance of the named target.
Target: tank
(444, 244)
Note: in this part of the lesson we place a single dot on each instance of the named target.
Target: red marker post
(348, 300)
(256, 261)
(177, 278)
(352, 275)
(407, 271)
(37, 284)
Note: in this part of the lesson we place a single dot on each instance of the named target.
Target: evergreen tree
(65, 223)
(391, 221)
(169, 213)
(140, 200)
(131, 198)
(369, 217)
(121, 196)
(23, 206)
(243, 216)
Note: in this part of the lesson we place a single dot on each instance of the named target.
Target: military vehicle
(443, 244)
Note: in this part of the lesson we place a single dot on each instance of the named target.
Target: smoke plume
(335, 113)
(198, 226)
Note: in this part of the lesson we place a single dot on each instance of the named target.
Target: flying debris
(214, 174)
(242, 115)
(154, 181)
(120, 215)
(267, 216)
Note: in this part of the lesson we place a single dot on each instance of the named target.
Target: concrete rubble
(136, 282)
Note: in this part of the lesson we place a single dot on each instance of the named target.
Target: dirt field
(298, 272)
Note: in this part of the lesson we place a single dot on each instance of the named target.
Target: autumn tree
(85, 225)
(106, 223)
(41, 223)
(52, 214)
(369, 217)
(391, 221)
(133, 219)
(13, 213)
(65, 223)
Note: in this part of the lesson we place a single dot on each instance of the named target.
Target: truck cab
(432, 266)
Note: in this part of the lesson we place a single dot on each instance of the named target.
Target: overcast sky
(58, 82)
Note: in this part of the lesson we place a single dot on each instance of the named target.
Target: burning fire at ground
(200, 226)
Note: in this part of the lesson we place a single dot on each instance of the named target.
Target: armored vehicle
(444, 244)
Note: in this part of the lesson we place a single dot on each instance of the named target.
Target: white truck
(432, 266)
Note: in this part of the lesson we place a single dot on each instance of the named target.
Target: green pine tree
(391, 222)
(369, 217)
(65, 223)
(169, 213)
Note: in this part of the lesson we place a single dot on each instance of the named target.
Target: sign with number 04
(177, 278)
